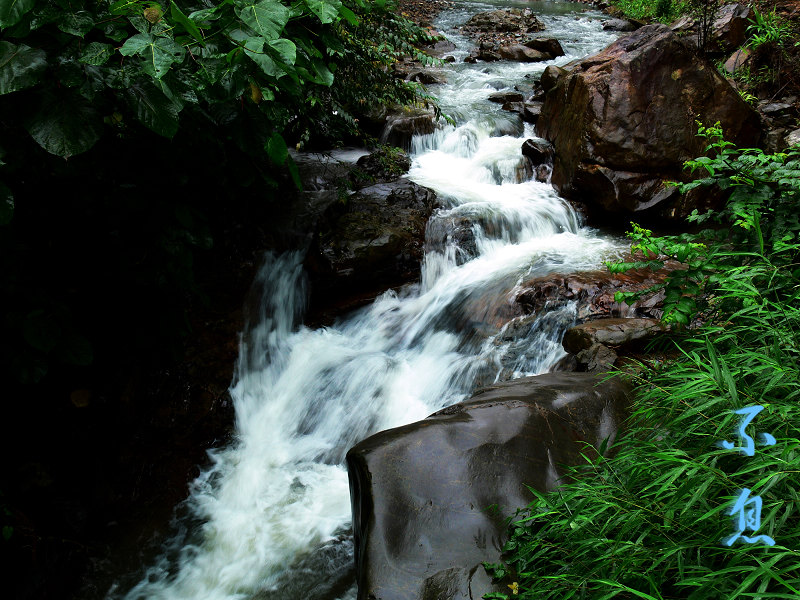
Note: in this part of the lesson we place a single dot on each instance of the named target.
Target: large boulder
(423, 494)
(369, 242)
(510, 20)
(401, 126)
(624, 121)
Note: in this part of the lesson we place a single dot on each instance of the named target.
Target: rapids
(270, 517)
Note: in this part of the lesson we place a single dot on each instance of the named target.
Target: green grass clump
(664, 11)
(649, 520)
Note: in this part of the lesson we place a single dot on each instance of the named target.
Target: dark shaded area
(119, 337)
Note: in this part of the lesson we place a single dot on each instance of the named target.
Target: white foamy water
(270, 517)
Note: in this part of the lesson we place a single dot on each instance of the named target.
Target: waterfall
(270, 517)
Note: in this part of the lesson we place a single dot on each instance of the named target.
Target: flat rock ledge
(422, 493)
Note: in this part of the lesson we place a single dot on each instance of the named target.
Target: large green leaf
(77, 23)
(326, 10)
(11, 11)
(266, 17)
(20, 67)
(179, 17)
(157, 112)
(96, 53)
(276, 149)
(254, 47)
(6, 204)
(66, 125)
(160, 53)
(285, 49)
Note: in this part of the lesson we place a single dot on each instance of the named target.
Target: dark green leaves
(326, 10)
(159, 53)
(11, 11)
(157, 112)
(65, 125)
(188, 25)
(267, 17)
(96, 53)
(276, 149)
(20, 67)
(77, 23)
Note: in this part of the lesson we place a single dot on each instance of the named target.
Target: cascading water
(269, 518)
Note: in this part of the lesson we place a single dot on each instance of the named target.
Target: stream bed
(270, 518)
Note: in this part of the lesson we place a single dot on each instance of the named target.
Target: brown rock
(512, 20)
(550, 77)
(538, 151)
(503, 97)
(421, 492)
(624, 121)
(372, 242)
(549, 46)
(737, 60)
(610, 332)
(520, 53)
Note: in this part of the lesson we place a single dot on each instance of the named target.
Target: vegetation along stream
(270, 517)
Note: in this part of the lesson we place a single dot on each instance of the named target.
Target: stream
(270, 518)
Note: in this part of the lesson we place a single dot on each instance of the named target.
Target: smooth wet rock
(550, 46)
(422, 494)
(538, 151)
(503, 97)
(400, 127)
(614, 333)
(624, 121)
(621, 25)
(520, 53)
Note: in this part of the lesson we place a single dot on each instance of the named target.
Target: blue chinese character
(749, 448)
(749, 518)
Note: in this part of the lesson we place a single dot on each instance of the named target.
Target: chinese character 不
(749, 518)
(749, 448)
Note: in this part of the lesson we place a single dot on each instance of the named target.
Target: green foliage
(175, 118)
(647, 521)
(768, 28)
(664, 11)
(760, 219)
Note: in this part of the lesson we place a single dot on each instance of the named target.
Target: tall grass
(649, 520)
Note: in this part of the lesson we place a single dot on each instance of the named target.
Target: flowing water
(270, 517)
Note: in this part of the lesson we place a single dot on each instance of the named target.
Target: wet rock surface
(421, 493)
(370, 242)
(593, 292)
(623, 121)
(597, 345)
